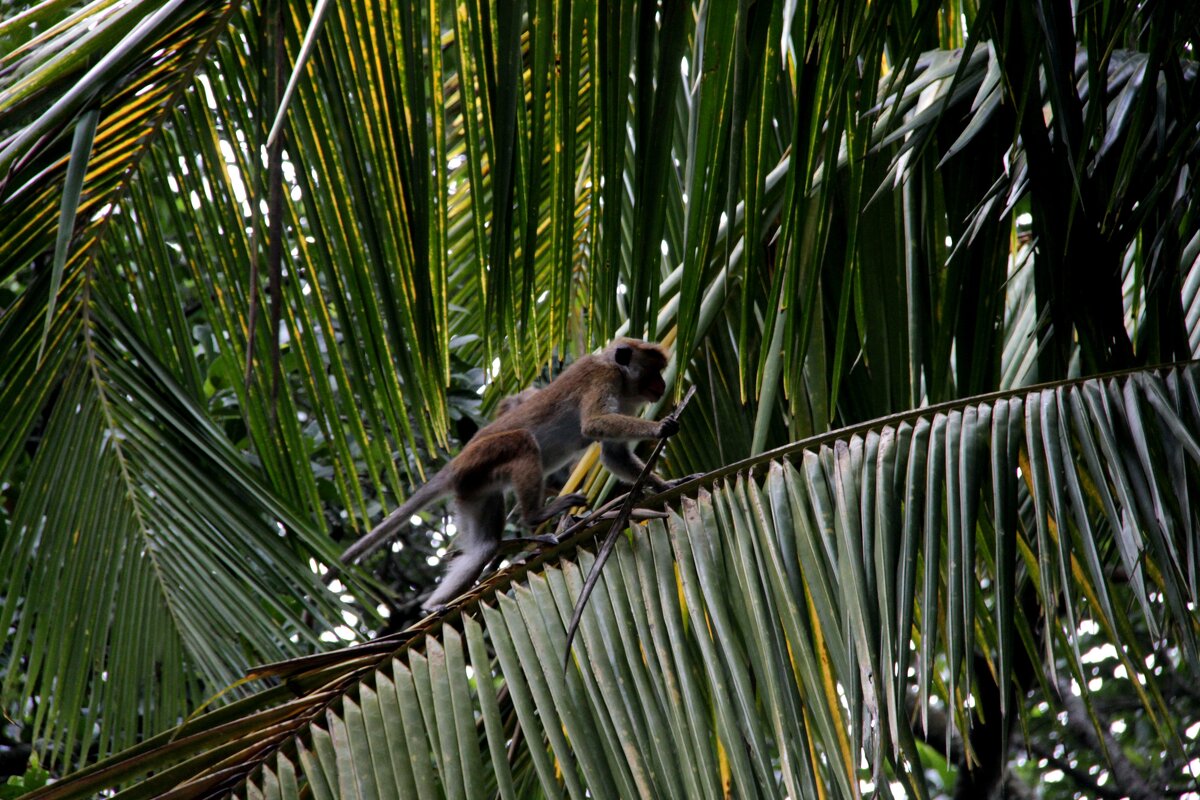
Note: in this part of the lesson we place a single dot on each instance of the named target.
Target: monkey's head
(641, 364)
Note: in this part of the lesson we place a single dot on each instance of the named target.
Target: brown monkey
(592, 400)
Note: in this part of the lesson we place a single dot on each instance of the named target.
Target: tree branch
(1125, 775)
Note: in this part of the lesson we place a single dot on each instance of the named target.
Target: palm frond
(169, 551)
(128, 62)
(1115, 228)
(795, 619)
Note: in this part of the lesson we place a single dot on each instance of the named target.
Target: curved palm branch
(793, 626)
(169, 543)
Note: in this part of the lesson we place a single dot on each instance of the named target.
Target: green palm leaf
(772, 634)
(170, 546)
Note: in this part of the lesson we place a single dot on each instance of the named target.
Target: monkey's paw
(636, 514)
(673, 482)
(668, 427)
(519, 543)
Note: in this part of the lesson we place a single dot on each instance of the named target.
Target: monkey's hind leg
(554, 508)
(558, 506)
(480, 523)
(522, 470)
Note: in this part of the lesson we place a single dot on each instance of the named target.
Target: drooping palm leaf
(787, 625)
(143, 541)
(129, 63)
(169, 563)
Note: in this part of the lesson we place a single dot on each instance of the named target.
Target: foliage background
(224, 355)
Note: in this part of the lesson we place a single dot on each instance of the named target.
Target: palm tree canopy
(246, 309)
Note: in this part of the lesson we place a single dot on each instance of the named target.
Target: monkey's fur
(557, 479)
(592, 400)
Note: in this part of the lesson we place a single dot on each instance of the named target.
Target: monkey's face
(642, 364)
(652, 385)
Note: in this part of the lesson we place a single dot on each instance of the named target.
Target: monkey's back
(553, 415)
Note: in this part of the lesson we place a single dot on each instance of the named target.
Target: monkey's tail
(438, 487)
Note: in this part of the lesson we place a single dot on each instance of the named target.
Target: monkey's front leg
(622, 428)
(620, 460)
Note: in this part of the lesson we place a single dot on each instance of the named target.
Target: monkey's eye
(624, 355)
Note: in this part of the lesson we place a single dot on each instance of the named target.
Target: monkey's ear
(624, 355)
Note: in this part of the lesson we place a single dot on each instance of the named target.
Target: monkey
(537, 433)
